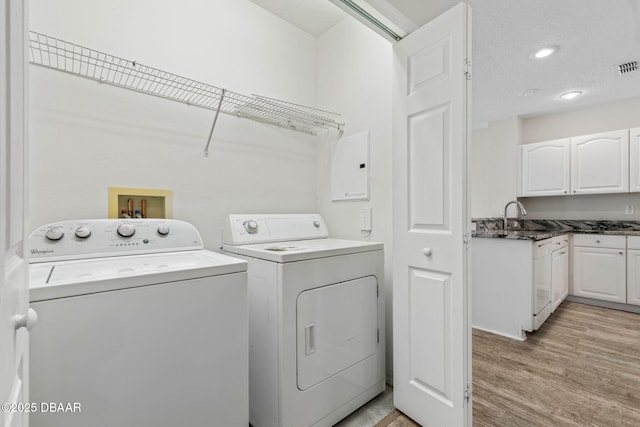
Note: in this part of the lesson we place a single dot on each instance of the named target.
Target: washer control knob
(316, 224)
(126, 229)
(163, 229)
(55, 233)
(251, 226)
(83, 232)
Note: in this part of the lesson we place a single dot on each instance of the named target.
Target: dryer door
(337, 327)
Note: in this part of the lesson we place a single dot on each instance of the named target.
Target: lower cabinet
(633, 270)
(511, 285)
(559, 270)
(599, 269)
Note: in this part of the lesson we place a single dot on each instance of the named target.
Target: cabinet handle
(565, 191)
(426, 251)
(562, 253)
(597, 241)
(574, 191)
(621, 253)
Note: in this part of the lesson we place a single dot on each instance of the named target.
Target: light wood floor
(582, 368)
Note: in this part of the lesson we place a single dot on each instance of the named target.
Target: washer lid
(300, 250)
(69, 278)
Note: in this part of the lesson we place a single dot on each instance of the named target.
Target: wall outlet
(629, 209)
(365, 219)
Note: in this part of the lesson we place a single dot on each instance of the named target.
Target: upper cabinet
(634, 160)
(546, 168)
(600, 163)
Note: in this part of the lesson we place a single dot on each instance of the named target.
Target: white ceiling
(594, 37)
(313, 16)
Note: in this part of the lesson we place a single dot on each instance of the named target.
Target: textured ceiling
(594, 36)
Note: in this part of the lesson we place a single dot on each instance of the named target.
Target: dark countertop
(609, 232)
(534, 235)
(537, 235)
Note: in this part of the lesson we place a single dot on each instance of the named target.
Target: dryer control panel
(98, 238)
(244, 229)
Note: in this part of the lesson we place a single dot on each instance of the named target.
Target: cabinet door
(545, 168)
(559, 277)
(600, 273)
(634, 160)
(633, 277)
(600, 163)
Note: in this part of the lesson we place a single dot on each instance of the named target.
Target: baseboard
(605, 304)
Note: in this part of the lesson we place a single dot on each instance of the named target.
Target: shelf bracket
(213, 126)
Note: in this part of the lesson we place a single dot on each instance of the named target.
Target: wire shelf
(82, 61)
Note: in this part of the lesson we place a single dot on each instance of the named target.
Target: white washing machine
(138, 326)
(316, 319)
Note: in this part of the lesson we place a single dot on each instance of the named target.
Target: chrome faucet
(519, 206)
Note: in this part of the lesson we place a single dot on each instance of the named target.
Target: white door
(431, 304)
(545, 168)
(634, 160)
(559, 277)
(633, 276)
(14, 340)
(600, 273)
(600, 163)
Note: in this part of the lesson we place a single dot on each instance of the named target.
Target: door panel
(545, 168)
(600, 273)
(559, 277)
(427, 158)
(600, 163)
(429, 293)
(634, 160)
(432, 336)
(633, 276)
(14, 340)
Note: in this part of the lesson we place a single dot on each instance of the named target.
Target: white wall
(494, 168)
(354, 78)
(600, 118)
(86, 137)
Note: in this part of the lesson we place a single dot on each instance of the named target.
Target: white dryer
(138, 326)
(316, 319)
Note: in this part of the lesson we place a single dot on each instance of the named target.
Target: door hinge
(377, 290)
(467, 393)
(467, 239)
(467, 68)
(378, 336)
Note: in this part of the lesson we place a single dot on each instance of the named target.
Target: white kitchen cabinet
(511, 285)
(559, 270)
(546, 168)
(599, 269)
(634, 160)
(633, 270)
(600, 163)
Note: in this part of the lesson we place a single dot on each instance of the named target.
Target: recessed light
(544, 52)
(528, 92)
(571, 95)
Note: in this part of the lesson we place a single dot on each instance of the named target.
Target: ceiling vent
(628, 67)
